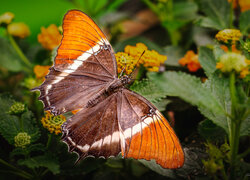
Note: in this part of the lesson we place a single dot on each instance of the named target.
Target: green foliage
(11, 125)
(244, 22)
(217, 13)
(48, 161)
(9, 58)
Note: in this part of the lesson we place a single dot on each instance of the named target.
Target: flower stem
(19, 51)
(234, 136)
(16, 171)
(49, 140)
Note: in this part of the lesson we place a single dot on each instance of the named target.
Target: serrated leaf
(10, 124)
(149, 90)
(207, 60)
(244, 22)
(218, 13)
(187, 87)
(47, 160)
(9, 58)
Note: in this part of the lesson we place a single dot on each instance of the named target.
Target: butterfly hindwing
(146, 133)
(94, 131)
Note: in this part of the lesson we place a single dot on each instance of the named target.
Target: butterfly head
(125, 80)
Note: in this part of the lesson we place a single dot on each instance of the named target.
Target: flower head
(125, 61)
(151, 60)
(49, 37)
(53, 123)
(233, 62)
(22, 139)
(17, 108)
(227, 35)
(191, 61)
(6, 18)
(20, 30)
(41, 71)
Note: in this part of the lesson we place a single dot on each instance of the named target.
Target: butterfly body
(112, 119)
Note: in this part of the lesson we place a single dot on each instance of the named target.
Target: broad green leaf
(47, 160)
(244, 22)
(207, 60)
(149, 90)
(185, 10)
(219, 86)
(9, 58)
(245, 127)
(207, 23)
(217, 12)
(187, 87)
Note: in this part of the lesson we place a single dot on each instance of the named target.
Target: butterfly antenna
(122, 71)
(137, 64)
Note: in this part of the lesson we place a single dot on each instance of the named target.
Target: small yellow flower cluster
(191, 61)
(17, 108)
(41, 71)
(234, 62)
(49, 37)
(22, 139)
(53, 123)
(20, 29)
(151, 60)
(228, 35)
(125, 61)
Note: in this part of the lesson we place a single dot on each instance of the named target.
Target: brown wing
(94, 131)
(146, 134)
(84, 66)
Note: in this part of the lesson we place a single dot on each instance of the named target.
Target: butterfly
(112, 119)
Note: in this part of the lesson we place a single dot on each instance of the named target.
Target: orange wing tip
(154, 141)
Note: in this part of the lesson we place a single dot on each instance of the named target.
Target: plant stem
(49, 140)
(19, 51)
(16, 170)
(234, 136)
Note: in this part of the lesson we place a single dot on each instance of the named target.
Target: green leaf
(149, 90)
(207, 60)
(244, 22)
(187, 87)
(211, 131)
(185, 10)
(47, 160)
(9, 58)
(245, 127)
(217, 12)
(10, 124)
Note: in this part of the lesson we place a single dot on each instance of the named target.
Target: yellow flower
(22, 139)
(18, 29)
(50, 37)
(125, 61)
(53, 123)
(228, 35)
(41, 71)
(191, 61)
(151, 60)
(233, 62)
(6, 18)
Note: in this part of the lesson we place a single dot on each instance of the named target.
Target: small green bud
(17, 108)
(31, 82)
(246, 46)
(22, 139)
